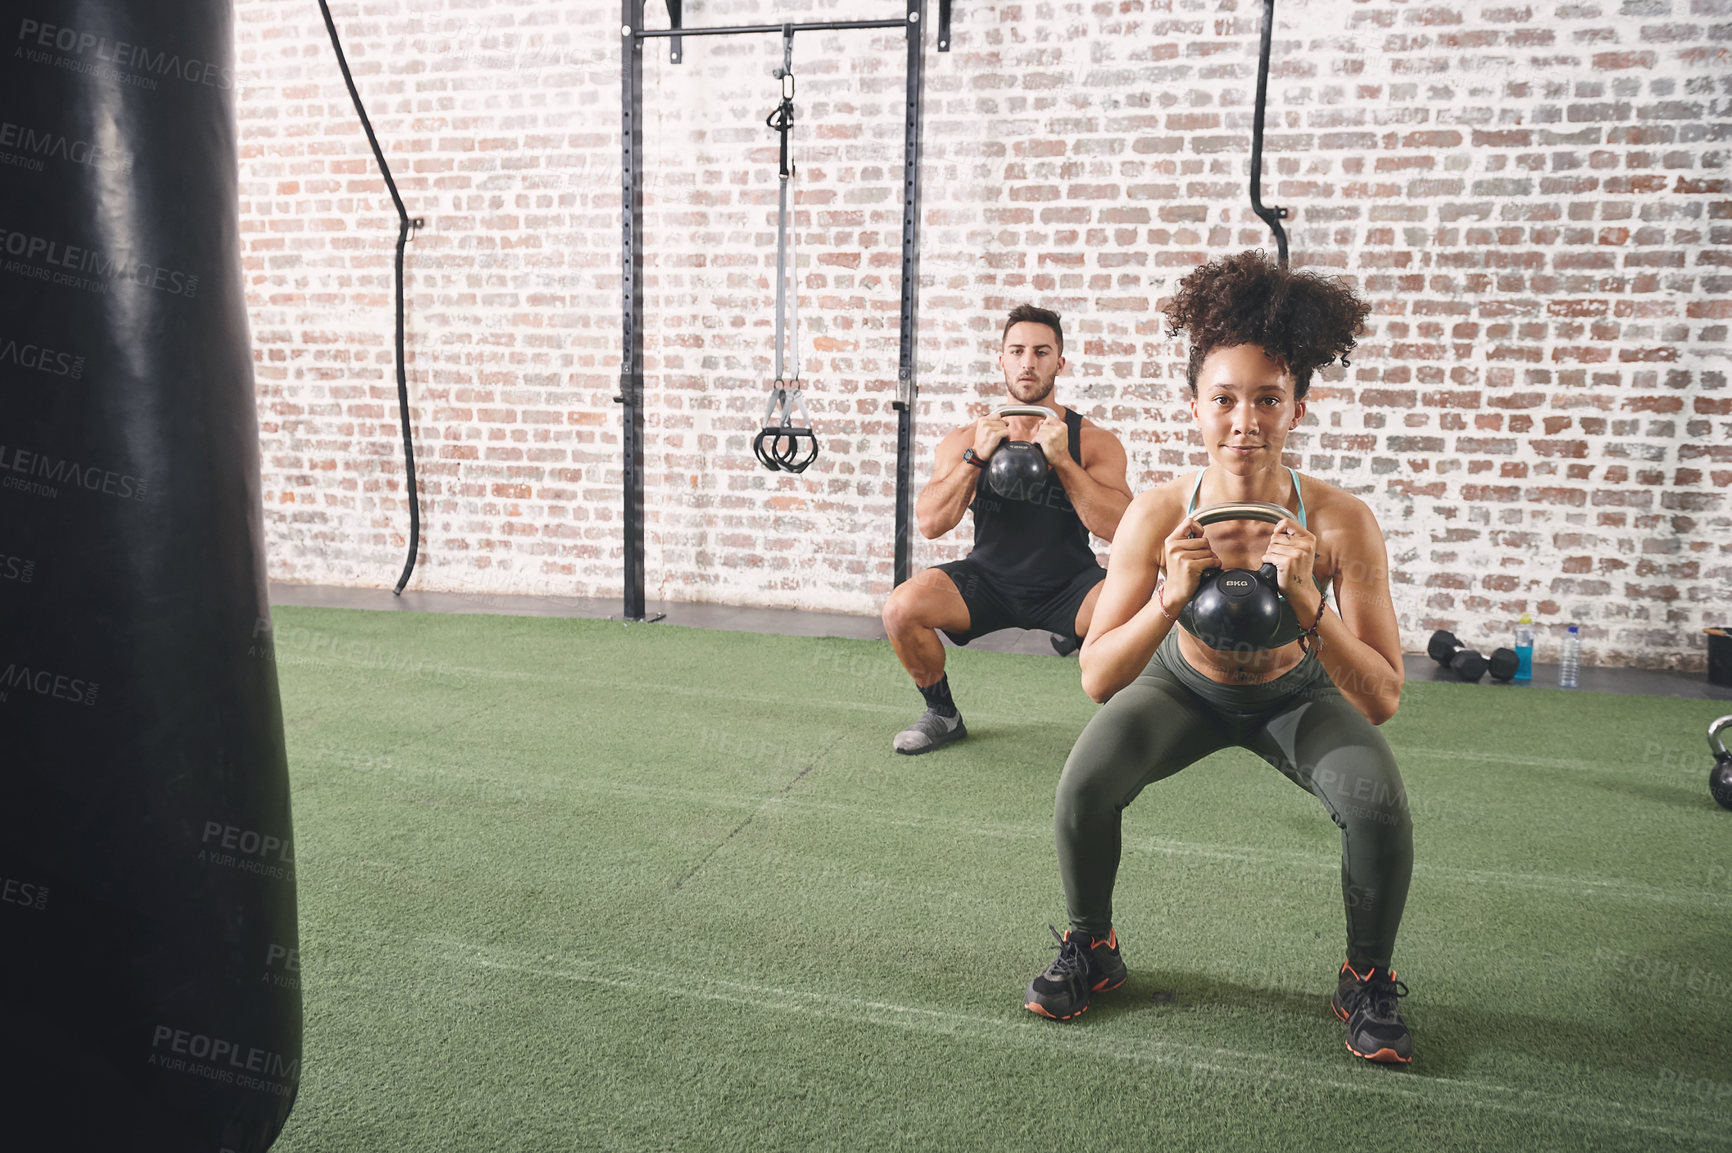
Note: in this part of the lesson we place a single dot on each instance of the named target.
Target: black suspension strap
(405, 224)
(781, 444)
(1270, 215)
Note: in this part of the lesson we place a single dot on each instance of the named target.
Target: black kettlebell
(1236, 608)
(1720, 776)
(1017, 470)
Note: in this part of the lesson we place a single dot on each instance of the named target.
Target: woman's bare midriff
(1253, 668)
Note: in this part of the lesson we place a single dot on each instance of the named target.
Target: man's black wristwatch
(972, 457)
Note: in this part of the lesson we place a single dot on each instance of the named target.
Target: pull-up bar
(820, 26)
(675, 32)
(633, 34)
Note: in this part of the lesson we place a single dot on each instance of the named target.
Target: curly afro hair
(1301, 320)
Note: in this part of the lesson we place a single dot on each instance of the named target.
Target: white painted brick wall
(1534, 195)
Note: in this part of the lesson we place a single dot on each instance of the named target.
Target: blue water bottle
(1524, 647)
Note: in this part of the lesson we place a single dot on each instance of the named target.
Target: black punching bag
(148, 952)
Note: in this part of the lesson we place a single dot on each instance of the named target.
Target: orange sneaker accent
(1382, 1056)
(1035, 1007)
(1107, 984)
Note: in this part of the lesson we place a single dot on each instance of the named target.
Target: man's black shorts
(992, 606)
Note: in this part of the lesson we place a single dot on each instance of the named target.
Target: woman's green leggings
(1172, 715)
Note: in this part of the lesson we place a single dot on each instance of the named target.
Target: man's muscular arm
(948, 494)
(1099, 493)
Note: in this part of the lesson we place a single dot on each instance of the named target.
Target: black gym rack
(633, 34)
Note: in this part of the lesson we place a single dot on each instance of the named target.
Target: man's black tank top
(1032, 545)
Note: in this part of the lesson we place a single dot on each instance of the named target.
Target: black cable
(404, 226)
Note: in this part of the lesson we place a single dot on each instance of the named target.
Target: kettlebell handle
(1714, 741)
(1021, 410)
(1241, 510)
(1247, 510)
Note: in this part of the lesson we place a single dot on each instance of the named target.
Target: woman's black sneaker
(1084, 965)
(1370, 1004)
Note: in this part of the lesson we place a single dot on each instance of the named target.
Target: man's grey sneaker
(1370, 1004)
(1084, 965)
(929, 732)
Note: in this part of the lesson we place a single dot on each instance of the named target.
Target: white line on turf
(1446, 874)
(1574, 764)
(647, 689)
(1033, 1033)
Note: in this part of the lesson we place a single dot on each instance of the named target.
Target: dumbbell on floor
(1469, 665)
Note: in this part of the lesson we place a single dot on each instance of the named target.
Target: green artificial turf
(574, 885)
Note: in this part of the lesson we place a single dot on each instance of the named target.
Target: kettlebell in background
(1017, 469)
(1720, 776)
